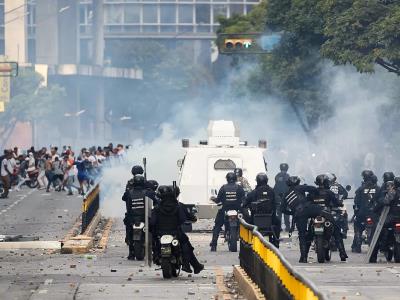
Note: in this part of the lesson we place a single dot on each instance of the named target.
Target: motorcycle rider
(262, 200)
(241, 180)
(363, 206)
(325, 199)
(280, 189)
(392, 199)
(151, 186)
(230, 196)
(134, 198)
(167, 218)
(340, 194)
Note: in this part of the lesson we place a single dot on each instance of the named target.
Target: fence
(267, 267)
(90, 205)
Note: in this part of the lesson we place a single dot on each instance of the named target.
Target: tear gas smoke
(345, 144)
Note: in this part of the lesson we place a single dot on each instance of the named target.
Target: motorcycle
(1, 189)
(170, 256)
(369, 230)
(32, 180)
(321, 230)
(391, 246)
(232, 229)
(138, 240)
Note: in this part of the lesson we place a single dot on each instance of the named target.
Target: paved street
(350, 280)
(46, 274)
(43, 274)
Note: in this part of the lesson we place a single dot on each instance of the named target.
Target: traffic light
(247, 43)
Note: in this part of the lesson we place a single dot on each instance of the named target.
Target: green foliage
(30, 101)
(362, 33)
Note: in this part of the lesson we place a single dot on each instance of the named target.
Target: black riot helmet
(231, 177)
(388, 176)
(164, 191)
(367, 174)
(322, 181)
(374, 179)
(396, 182)
(138, 181)
(137, 170)
(262, 179)
(152, 184)
(293, 181)
(333, 177)
(238, 172)
(284, 167)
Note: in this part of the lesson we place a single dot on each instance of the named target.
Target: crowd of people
(54, 168)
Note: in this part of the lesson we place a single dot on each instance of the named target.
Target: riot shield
(148, 238)
(377, 233)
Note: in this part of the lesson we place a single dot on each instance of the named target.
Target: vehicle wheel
(328, 255)
(320, 249)
(397, 252)
(139, 251)
(389, 255)
(175, 272)
(166, 269)
(1, 191)
(32, 184)
(232, 242)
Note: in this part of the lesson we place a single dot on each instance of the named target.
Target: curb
(249, 289)
(82, 243)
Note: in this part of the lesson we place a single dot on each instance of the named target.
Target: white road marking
(48, 281)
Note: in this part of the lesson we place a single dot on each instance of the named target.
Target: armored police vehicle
(203, 169)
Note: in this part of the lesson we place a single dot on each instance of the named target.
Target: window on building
(185, 14)
(203, 13)
(113, 14)
(132, 13)
(168, 14)
(224, 164)
(220, 10)
(236, 9)
(150, 13)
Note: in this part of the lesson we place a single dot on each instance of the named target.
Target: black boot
(213, 243)
(131, 255)
(303, 252)
(197, 266)
(342, 250)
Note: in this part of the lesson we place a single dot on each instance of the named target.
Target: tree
(30, 101)
(362, 33)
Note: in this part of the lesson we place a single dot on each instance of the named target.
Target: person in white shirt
(6, 170)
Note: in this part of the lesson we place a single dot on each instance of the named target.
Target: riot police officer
(167, 218)
(325, 199)
(391, 198)
(241, 180)
(230, 196)
(363, 206)
(262, 201)
(134, 198)
(340, 194)
(280, 190)
(296, 204)
(151, 188)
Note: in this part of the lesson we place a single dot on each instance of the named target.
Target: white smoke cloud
(345, 144)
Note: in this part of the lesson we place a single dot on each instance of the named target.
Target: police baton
(145, 167)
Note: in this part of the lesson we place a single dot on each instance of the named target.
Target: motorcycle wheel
(166, 269)
(33, 184)
(175, 272)
(139, 251)
(232, 242)
(397, 252)
(328, 255)
(1, 191)
(320, 249)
